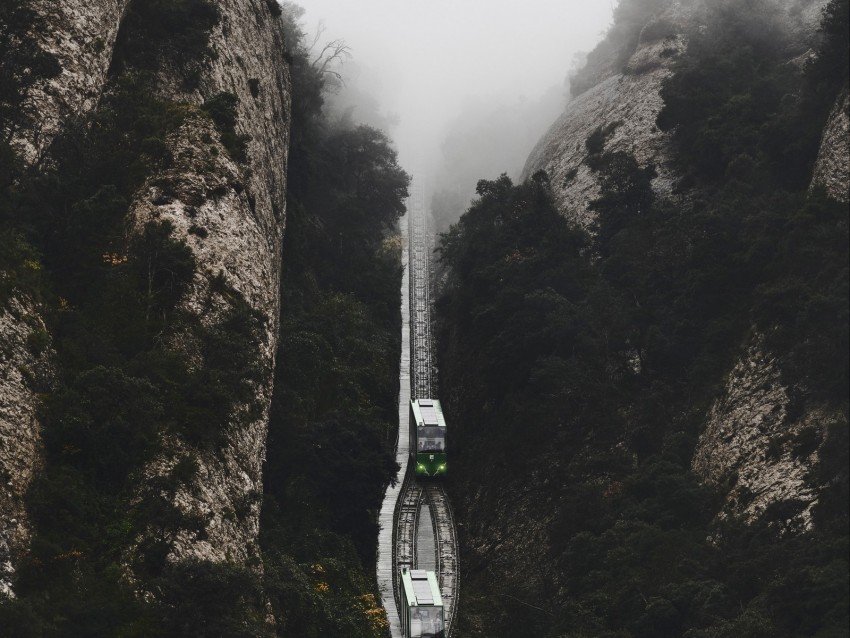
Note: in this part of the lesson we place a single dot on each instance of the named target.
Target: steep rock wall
(81, 34)
(750, 416)
(25, 367)
(629, 102)
(241, 209)
(832, 169)
(755, 448)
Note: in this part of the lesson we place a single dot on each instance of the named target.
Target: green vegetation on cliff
(621, 40)
(577, 369)
(589, 379)
(109, 298)
(747, 126)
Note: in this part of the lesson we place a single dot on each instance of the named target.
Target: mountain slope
(643, 347)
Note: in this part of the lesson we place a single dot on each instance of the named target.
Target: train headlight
(441, 467)
(420, 466)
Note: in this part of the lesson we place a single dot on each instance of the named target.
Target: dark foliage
(210, 600)
(751, 148)
(619, 43)
(334, 405)
(274, 7)
(164, 266)
(626, 196)
(222, 109)
(799, 249)
(173, 32)
(595, 374)
(740, 110)
(829, 70)
(586, 363)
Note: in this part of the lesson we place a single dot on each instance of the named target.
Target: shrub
(154, 32)
(222, 109)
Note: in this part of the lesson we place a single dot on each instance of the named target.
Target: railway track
(446, 540)
(407, 520)
(414, 495)
(423, 376)
(420, 299)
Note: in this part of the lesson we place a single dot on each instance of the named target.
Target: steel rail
(447, 562)
(423, 385)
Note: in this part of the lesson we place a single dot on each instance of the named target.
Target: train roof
(421, 588)
(428, 412)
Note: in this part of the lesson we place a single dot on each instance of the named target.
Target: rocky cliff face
(236, 216)
(25, 367)
(627, 103)
(748, 444)
(755, 448)
(832, 170)
(760, 468)
(81, 34)
(236, 212)
(753, 445)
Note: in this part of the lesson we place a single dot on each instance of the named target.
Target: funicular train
(422, 605)
(428, 437)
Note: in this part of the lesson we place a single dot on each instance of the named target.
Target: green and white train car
(422, 605)
(428, 437)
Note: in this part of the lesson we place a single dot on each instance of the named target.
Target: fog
(431, 71)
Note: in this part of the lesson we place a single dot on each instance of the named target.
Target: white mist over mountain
(426, 62)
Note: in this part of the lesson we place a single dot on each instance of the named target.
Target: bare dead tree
(335, 51)
(320, 30)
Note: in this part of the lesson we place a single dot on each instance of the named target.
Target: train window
(431, 439)
(426, 622)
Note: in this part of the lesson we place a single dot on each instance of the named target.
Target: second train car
(422, 605)
(428, 437)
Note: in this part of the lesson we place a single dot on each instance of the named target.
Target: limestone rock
(626, 102)
(748, 444)
(240, 209)
(755, 448)
(832, 169)
(232, 217)
(25, 367)
(81, 34)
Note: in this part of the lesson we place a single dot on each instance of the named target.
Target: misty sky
(422, 59)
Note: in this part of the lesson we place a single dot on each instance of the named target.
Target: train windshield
(426, 622)
(431, 439)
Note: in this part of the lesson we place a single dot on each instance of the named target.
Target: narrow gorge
(628, 298)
